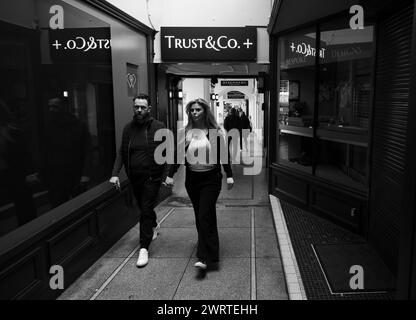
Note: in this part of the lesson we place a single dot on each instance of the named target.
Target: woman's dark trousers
(203, 189)
(146, 193)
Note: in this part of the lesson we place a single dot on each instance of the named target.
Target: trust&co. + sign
(208, 44)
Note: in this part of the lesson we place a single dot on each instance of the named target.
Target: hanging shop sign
(208, 44)
(235, 95)
(234, 83)
(86, 45)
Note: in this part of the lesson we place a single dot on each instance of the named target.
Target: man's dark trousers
(146, 191)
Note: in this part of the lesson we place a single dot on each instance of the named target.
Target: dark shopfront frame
(309, 186)
(120, 15)
(77, 233)
(406, 271)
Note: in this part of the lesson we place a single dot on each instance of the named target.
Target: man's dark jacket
(143, 134)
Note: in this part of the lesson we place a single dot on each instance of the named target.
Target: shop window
(344, 103)
(296, 99)
(56, 109)
(337, 149)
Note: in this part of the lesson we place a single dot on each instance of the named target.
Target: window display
(337, 149)
(344, 103)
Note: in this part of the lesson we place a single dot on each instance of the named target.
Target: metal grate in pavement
(306, 229)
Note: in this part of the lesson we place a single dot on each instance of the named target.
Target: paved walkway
(250, 266)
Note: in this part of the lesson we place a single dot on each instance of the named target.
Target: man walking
(233, 121)
(246, 129)
(137, 155)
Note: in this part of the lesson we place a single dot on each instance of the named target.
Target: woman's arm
(222, 145)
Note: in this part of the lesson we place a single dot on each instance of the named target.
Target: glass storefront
(326, 136)
(296, 99)
(57, 135)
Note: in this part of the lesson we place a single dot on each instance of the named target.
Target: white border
(295, 288)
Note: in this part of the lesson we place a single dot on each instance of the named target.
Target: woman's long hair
(209, 119)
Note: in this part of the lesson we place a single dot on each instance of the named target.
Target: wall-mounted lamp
(214, 96)
(180, 94)
(175, 94)
(66, 94)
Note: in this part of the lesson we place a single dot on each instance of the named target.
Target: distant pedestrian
(136, 153)
(233, 121)
(203, 179)
(246, 128)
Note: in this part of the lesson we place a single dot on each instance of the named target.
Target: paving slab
(270, 279)
(157, 281)
(184, 218)
(174, 243)
(230, 282)
(86, 285)
(263, 218)
(234, 243)
(233, 220)
(242, 188)
(266, 243)
(180, 218)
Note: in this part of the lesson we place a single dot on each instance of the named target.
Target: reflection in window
(56, 110)
(344, 103)
(297, 53)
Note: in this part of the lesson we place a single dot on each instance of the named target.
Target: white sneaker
(201, 265)
(143, 258)
(156, 231)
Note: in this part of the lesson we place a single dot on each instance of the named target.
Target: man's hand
(230, 183)
(115, 181)
(168, 182)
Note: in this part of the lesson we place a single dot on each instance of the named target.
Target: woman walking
(204, 178)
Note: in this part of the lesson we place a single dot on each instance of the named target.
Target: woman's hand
(168, 182)
(230, 183)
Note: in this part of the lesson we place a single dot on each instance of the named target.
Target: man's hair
(143, 96)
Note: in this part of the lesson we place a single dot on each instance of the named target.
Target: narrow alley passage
(250, 264)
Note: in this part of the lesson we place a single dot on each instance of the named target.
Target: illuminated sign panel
(208, 44)
(234, 83)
